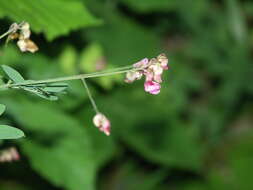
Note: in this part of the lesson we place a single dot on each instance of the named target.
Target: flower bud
(25, 30)
(163, 61)
(131, 76)
(102, 123)
(9, 155)
(142, 63)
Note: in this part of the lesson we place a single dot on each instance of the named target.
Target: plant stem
(12, 29)
(90, 96)
(5, 34)
(68, 78)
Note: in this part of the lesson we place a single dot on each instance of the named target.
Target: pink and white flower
(131, 76)
(152, 69)
(102, 123)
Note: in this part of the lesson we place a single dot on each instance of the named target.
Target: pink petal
(152, 87)
(141, 63)
(165, 67)
(106, 128)
(158, 78)
(149, 75)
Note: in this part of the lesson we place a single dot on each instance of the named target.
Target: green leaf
(7, 132)
(90, 56)
(153, 130)
(48, 97)
(110, 37)
(56, 87)
(46, 91)
(60, 150)
(41, 93)
(67, 60)
(54, 17)
(236, 21)
(14, 75)
(91, 59)
(151, 5)
(2, 109)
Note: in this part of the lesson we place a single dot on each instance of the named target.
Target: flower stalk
(67, 78)
(90, 96)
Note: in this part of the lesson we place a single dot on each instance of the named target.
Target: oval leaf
(56, 87)
(41, 93)
(2, 109)
(7, 132)
(14, 75)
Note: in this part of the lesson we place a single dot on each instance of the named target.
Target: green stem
(5, 34)
(90, 96)
(68, 78)
(11, 29)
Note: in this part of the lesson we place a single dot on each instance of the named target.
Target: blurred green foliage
(195, 135)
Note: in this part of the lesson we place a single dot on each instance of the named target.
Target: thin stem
(114, 70)
(12, 29)
(5, 34)
(90, 96)
(68, 78)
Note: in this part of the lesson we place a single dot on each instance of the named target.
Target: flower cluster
(102, 123)
(9, 155)
(152, 69)
(22, 33)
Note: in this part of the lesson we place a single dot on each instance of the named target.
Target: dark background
(195, 135)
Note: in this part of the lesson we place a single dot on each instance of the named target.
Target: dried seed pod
(27, 45)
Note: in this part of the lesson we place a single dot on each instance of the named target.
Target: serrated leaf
(2, 109)
(14, 75)
(7, 132)
(54, 17)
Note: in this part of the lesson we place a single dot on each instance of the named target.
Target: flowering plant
(49, 88)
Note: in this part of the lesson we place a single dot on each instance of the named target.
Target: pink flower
(102, 123)
(142, 63)
(158, 78)
(149, 75)
(152, 69)
(154, 72)
(152, 87)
